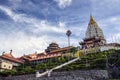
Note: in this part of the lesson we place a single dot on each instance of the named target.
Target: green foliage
(8, 72)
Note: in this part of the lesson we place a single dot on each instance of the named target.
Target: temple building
(94, 36)
(52, 46)
(53, 50)
(8, 61)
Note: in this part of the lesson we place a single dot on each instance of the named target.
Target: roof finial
(35, 52)
(92, 21)
(10, 51)
(3, 52)
(23, 54)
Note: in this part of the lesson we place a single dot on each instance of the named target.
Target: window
(9, 67)
(4, 65)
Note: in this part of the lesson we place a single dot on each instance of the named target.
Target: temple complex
(8, 61)
(94, 36)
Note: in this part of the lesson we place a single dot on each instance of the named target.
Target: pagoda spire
(92, 21)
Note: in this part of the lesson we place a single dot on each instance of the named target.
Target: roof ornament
(35, 52)
(3, 52)
(24, 55)
(11, 51)
(92, 21)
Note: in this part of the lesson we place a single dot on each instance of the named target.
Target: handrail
(60, 66)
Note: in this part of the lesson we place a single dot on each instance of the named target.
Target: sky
(27, 26)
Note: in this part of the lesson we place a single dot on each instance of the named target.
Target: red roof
(54, 53)
(61, 49)
(41, 56)
(10, 57)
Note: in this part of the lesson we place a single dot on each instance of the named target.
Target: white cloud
(62, 24)
(12, 15)
(46, 26)
(21, 43)
(114, 38)
(111, 28)
(63, 3)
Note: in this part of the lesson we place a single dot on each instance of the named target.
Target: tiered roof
(52, 46)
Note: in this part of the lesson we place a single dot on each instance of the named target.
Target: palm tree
(68, 33)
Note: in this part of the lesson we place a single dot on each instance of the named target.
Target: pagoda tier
(52, 46)
(91, 42)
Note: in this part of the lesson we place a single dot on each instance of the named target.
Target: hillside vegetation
(90, 61)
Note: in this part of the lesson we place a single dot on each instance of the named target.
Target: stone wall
(66, 75)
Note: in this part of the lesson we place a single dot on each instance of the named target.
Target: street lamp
(68, 33)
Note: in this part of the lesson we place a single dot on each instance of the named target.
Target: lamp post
(68, 33)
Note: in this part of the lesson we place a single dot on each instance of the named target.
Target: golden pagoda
(94, 35)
